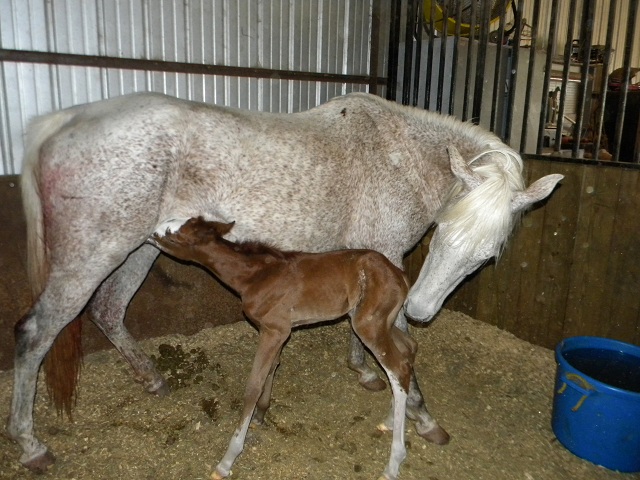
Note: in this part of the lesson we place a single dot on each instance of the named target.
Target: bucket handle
(577, 383)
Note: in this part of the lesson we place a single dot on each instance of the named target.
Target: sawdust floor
(490, 390)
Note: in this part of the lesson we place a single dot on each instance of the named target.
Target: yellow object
(465, 28)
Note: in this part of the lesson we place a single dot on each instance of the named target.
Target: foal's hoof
(368, 378)
(218, 476)
(373, 385)
(437, 434)
(40, 463)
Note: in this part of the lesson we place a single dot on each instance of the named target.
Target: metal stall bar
(374, 51)
(586, 40)
(454, 63)
(418, 57)
(495, 101)
(622, 104)
(565, 74)
(394, 45)
(605, 76)
(547, 74)
(513, 74)
(470, 48)
(530, 73)
(443, 55)
(26, 56)
(429, 73)
(408, 52)
(480, 64)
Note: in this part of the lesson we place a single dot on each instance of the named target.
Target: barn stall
(570, 269)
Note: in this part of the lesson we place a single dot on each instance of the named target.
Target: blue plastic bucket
(596, 404)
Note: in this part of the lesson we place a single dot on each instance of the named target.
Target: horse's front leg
(426, 426)
(367, 377)
(108, 308)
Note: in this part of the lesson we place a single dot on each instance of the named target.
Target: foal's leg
(395, 350)
(398, 449)
(269, 347)
(62, 299)
(108, 308)
(367, 377)
(426, 426)
(265, 399)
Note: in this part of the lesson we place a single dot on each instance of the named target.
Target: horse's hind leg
(108, 308)
(62, 299)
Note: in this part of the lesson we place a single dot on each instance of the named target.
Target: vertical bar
(454, 62)
(432, 38)
(622, 103)
(418, 55)
(472, 36)
(605, 75)
(408, 52)
(443, 54)
(565, 73)
(547, 74)
(586, 35)
(394, 43)
(513, 74)
(482, 56)
(497, 80)
(530, 73)
(374, 46)
(6, 147)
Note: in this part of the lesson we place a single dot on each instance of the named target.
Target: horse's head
(473, 224)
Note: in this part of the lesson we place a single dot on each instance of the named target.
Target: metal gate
(549, 77)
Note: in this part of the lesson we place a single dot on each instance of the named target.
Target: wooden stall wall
(573, 265)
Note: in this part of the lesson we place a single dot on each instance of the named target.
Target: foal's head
(192, 235)
(197, 231)
(198, 236)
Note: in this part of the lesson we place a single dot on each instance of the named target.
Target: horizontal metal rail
(29, 56)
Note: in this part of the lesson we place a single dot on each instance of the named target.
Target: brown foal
(282, 290)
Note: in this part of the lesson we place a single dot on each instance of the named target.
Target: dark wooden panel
(573, 265)
(623, 289)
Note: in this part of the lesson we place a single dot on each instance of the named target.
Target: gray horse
(356, 172)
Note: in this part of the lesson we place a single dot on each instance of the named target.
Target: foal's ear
(461, 169)
(224, 228)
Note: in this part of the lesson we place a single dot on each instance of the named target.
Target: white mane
(484, 214)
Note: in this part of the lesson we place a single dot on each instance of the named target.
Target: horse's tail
(63, 362)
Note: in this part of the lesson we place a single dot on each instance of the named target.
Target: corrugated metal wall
(328, 36)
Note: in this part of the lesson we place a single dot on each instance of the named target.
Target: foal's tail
(63, 362)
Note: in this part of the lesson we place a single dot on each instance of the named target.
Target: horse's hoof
(437, 434)
(374, 385)
(161, 391)
(40, 463)
(257, 422)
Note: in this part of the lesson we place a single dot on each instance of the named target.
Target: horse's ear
(537, 191)
(461, 169)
